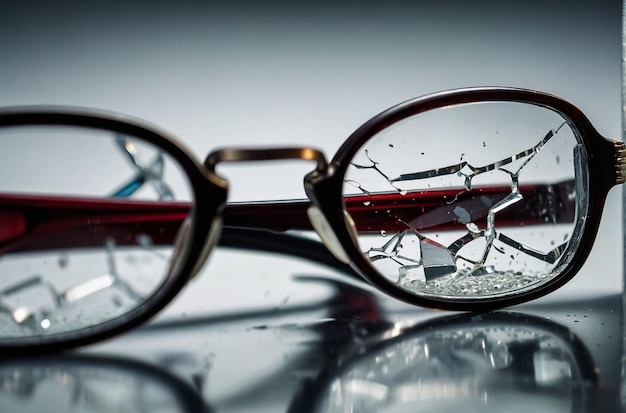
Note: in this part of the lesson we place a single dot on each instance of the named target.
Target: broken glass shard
(436, 259)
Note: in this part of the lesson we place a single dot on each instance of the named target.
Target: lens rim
(327, 190)
(187, 398)
(209, 195)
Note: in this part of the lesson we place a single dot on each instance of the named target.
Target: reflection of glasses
(468, 199)
(457, 362)
(94, 384)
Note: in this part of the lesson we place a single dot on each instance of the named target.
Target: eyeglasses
(462, 200)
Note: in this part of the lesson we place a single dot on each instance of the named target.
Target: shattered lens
(469, 201)
(90, 221)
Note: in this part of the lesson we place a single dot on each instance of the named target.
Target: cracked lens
(475, 200)
(86, 227)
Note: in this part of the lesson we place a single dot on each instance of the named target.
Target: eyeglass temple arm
(31, 223)
(42, 223)
(434, 210)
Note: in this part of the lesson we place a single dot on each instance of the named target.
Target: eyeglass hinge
(620, 161)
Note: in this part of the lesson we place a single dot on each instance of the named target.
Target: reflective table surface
(326, 343)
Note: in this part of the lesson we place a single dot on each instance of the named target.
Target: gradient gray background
(277, 72)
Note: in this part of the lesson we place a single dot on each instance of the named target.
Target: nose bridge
(315, 215)
(265, 154)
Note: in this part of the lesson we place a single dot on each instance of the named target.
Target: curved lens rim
(601, 169)
(207, 194)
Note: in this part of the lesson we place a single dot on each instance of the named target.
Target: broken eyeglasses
(463, 200)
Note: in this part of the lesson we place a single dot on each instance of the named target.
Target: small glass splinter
(151, 173)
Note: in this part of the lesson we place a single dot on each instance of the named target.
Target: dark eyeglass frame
(323, 186)
(606, 166)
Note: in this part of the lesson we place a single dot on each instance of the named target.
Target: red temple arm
(41, 222)
(434, 210)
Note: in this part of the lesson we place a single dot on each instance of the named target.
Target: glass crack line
(550, 257)
(436, 260)
(473, 171)
(357, 185)
(375, 167)
(446, 263)
(151, 173)
(23, 314)
(515, 196)
(390, 250)
(115, 279)
(20, 313)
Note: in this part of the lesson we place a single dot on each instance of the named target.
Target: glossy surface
(337, 348)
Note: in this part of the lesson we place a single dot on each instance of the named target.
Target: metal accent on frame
(265, 154)
(620, 161)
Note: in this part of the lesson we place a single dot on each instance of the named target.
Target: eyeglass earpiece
(211, 241)
(179, 244)
(328, 237)
(183, 236)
